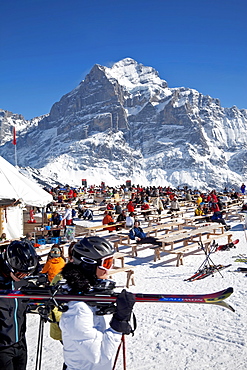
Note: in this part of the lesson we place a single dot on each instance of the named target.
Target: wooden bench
(120, 237)
(158, 218)
(235, 213)
(134, 247)
(206, 243)
(212, 237)
(117, 239)
(129, 271)
(119, 256)
(169, 225)
(179, 251)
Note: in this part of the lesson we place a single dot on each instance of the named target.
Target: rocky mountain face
(124, 122)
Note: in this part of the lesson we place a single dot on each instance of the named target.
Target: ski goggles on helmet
(104, 263)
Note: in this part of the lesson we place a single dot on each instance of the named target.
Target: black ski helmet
(93, 247)
(20, 256)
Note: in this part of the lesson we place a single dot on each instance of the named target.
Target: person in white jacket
(130, 220)
(90, 343)
(67, 217)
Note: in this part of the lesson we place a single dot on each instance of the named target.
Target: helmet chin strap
(13, 277)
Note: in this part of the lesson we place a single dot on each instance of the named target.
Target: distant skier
(243, 188)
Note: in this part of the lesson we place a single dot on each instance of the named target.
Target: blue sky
(48, 46)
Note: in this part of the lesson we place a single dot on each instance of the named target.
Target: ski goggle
(105, 263)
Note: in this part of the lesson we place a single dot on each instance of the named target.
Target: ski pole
(40, 344)
(122, 343)
(208, 258)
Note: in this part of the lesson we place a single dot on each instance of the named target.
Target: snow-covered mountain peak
(131, 74)
(124, 122)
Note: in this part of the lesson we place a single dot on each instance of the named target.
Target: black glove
(120, 320)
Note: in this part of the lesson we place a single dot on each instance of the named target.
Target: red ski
(228, 246)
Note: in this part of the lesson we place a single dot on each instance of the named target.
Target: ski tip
(229, 290)
(225, 305)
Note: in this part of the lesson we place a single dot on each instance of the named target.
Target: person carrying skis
(18, 261)
(88, 342)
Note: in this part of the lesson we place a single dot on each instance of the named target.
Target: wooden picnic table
(189, 235)
(158, 218)
(188, 241)
(192, 219)
(168, 227)
(234, 211)
(93, 229)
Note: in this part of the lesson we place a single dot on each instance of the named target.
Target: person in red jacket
(110, 206)
(214, 207)
(130, 206)
(214, 198)
(108, 220)
(145, 207)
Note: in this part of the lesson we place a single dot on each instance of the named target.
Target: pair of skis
(206, 271)
(242, 269)
(208, 268)
(44, 296)
(241, 259)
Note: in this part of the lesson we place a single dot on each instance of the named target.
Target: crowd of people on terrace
(119, 203)
(138, 194)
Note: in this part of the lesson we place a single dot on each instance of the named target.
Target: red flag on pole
(14, 136)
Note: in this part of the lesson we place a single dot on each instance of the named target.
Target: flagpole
(14, 142)
(15, 157)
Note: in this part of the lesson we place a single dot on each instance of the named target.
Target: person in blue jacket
(137, 234)
(218, 217)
